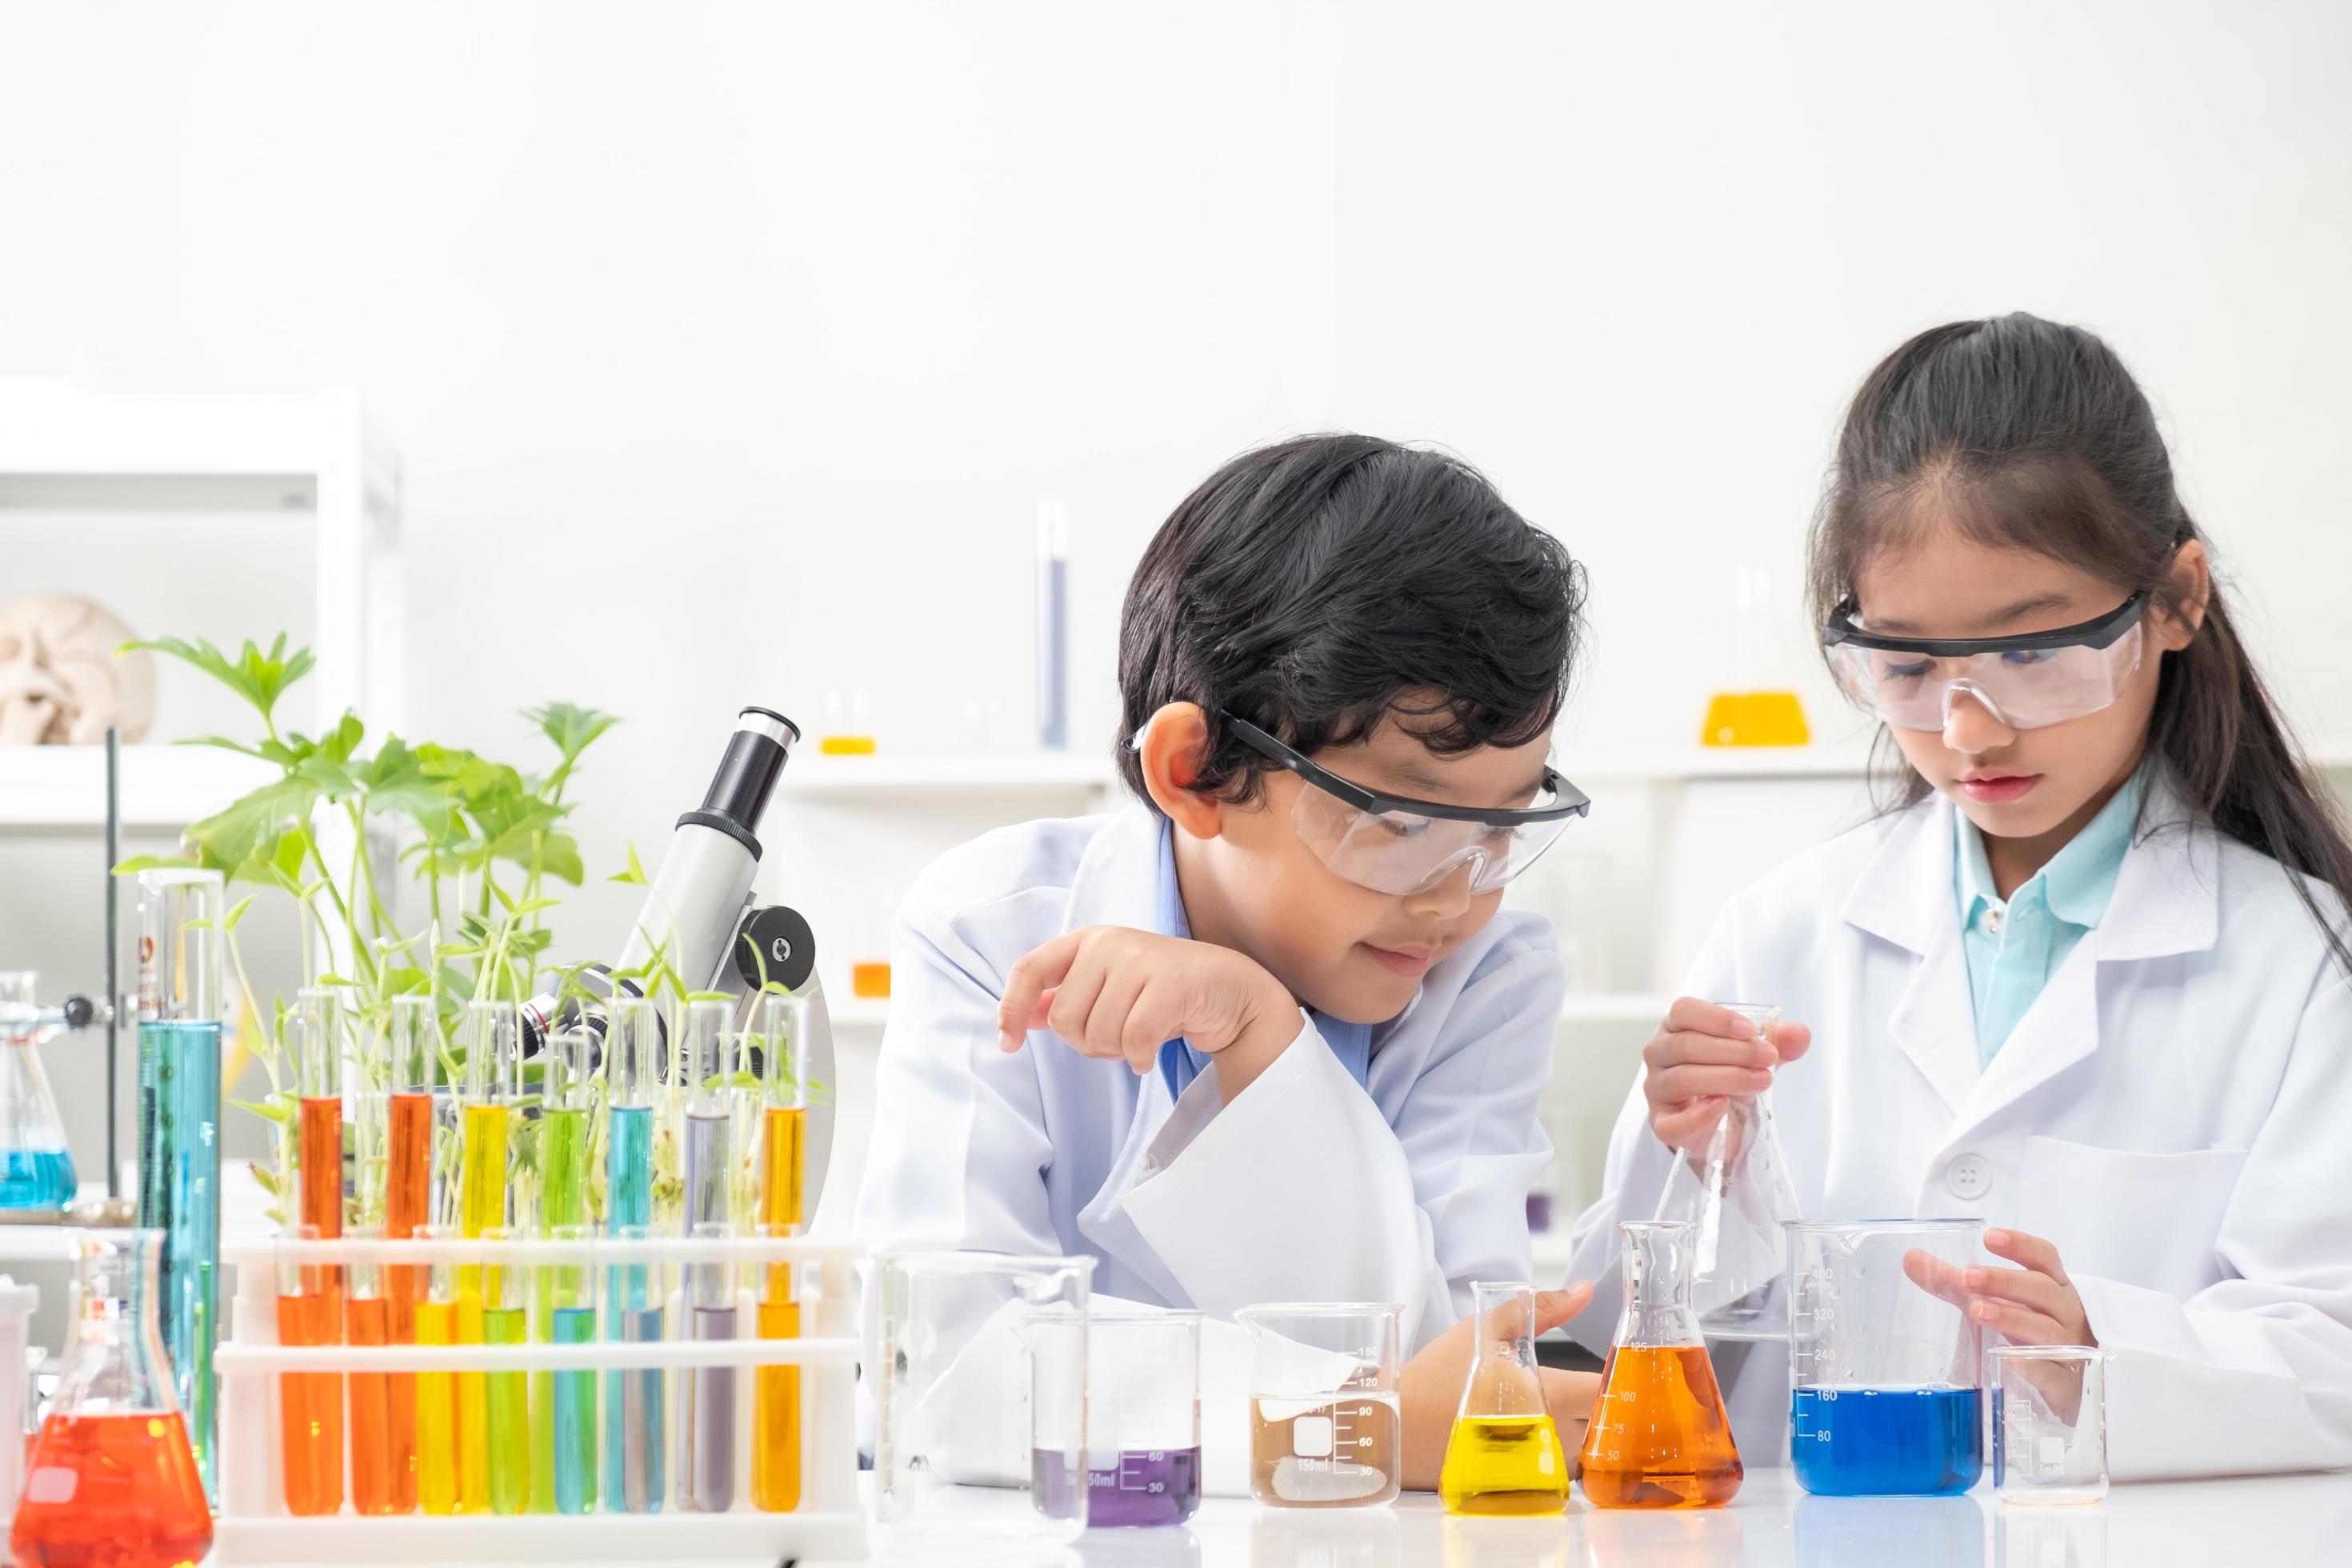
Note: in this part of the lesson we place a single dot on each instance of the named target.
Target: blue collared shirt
(2014, 948)
(1180, 1064)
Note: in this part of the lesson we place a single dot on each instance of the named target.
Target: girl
(2089, 981)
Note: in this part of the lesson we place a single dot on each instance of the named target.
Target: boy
(1265, 1036)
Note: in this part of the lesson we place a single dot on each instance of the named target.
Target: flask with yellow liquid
(1752, 713)
(1505, 1454)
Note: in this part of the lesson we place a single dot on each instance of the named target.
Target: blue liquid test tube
(180, 940)
(634, 1293)
(572, 1303)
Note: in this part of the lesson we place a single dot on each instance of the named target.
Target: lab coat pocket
(2140, 1219)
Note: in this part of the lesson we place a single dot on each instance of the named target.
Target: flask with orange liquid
(111, 1478)
(1659, 1436)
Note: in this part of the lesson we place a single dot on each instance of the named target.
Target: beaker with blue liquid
(1887, 1379)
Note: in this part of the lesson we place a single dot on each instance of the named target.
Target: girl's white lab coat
(1306, 1187)
(2174, 1112)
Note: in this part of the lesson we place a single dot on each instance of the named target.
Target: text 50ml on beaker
(1324, 1423)
(1885, 1379)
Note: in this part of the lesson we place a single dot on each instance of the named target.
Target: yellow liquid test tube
(783, 1164)
(437, 1392)
(492, 1040)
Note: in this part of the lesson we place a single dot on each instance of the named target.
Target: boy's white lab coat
(1306, 1187)
(2174, 1112)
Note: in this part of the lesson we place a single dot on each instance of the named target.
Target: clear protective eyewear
(2027, 681)
(1394, 843)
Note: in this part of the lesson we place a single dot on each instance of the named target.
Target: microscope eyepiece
(739, 792)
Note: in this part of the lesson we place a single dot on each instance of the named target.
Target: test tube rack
(254, 1527)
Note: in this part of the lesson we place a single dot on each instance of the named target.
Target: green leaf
(236, 912)
(261, 678)
(634, 875)
(249, 830)
(571, 729)
(268, 1111)
(138, 863)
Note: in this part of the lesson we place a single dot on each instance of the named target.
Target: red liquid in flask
(114, 1491)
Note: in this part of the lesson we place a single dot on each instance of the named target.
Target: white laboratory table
(2291, 1521)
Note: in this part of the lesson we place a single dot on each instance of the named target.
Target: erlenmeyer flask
(1659, 1437)
(35, 1168)
(111, 1478)
(1733, 1190)
(1505, 1455)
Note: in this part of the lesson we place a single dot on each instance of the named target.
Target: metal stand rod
(113, 949)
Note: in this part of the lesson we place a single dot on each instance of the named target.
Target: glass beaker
(111, 1477)
(1885, 1379)
(1324, 1423)
(2048, 1423)
(979, 1446)
(37, 1169)
(1143, 1435)
(1659, 1436)
(1504, 1454)
(1734, 1190)
(1752, 711)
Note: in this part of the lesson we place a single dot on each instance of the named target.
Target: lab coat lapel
(1905, 896)
(2166, 901)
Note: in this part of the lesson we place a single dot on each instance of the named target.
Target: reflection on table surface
(2285, 1520)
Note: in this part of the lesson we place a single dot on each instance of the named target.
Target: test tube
(179, 1124)
(708, 1422)
(709, 1141)
(383, 1404)
(309, 1403)
(632, 1084)
(776, 1434)
(492, 1040)
(408, 1152)
(318, 1042)
(567, 1095)
(636, 1480)
(506, 1321)
(438, 1431)
(570, 1290)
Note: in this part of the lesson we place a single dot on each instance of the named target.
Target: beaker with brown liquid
(1324, 1424)
(1659, 1436)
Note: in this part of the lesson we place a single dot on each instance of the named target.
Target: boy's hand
(1114, 992)
(1702, 1056)
(1429, 1389)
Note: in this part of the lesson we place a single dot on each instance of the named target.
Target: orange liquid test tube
(383, 1407)
(310, 1298)
(783, 1162)
(407, 1209)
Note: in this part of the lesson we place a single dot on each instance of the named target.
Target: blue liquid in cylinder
(36, 1179)
(179, 1194)
(1883, 1442)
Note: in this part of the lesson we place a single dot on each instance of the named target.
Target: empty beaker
(1885, 1378)
(979, 1444)
(1734, 1190)
(1142, 1436)
(2048, 1423)
(37, 1169)
(111, 1478)
(1659, 1437)
(1504, 1454)
(1324, 1426)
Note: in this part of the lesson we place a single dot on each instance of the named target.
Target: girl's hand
(2034, 1305)
(1430, 1387)
(1119, 994)
(1702, 1056)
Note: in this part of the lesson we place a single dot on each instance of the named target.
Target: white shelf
(162, 787)
(811, 776)
(1613, 1007)
(857, 1011)
(59, 432)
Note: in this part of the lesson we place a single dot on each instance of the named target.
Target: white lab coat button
(1968, 1176)
(1993, 917)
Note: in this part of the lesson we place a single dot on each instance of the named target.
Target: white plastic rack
(254, 1527)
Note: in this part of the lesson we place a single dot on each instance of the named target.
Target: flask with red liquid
(111, 1479)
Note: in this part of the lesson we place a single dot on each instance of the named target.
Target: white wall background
(727, 346)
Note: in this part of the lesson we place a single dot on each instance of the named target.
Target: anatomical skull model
(60, 684)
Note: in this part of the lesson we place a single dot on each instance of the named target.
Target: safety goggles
(1392, 843)
(2026, 682)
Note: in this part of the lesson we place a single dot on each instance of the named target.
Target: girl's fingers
(1792, 1040)
(1685, 1128)
(1691, 1016)
(2031, 1250)
(1026, 984)
(1667, 1051)
(2019, 1325)
(2027, 1288)
(1106, 1019)
(1554, 1308)
(1677, 1085)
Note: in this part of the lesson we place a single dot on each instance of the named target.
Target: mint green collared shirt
(2014, 948)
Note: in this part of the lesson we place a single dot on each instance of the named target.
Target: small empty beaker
(981, 1433)
(2048, 1423)
(1324, 1425)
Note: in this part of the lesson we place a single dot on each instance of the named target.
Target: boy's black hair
(1316, 585)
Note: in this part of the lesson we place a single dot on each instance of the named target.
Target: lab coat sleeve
(1303, 1177)
(1634, 1174)
(2254, 1374)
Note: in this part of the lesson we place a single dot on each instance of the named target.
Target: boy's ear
(2192, 587)
(1175, 744)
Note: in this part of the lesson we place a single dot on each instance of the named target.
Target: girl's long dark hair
(2029, 434)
